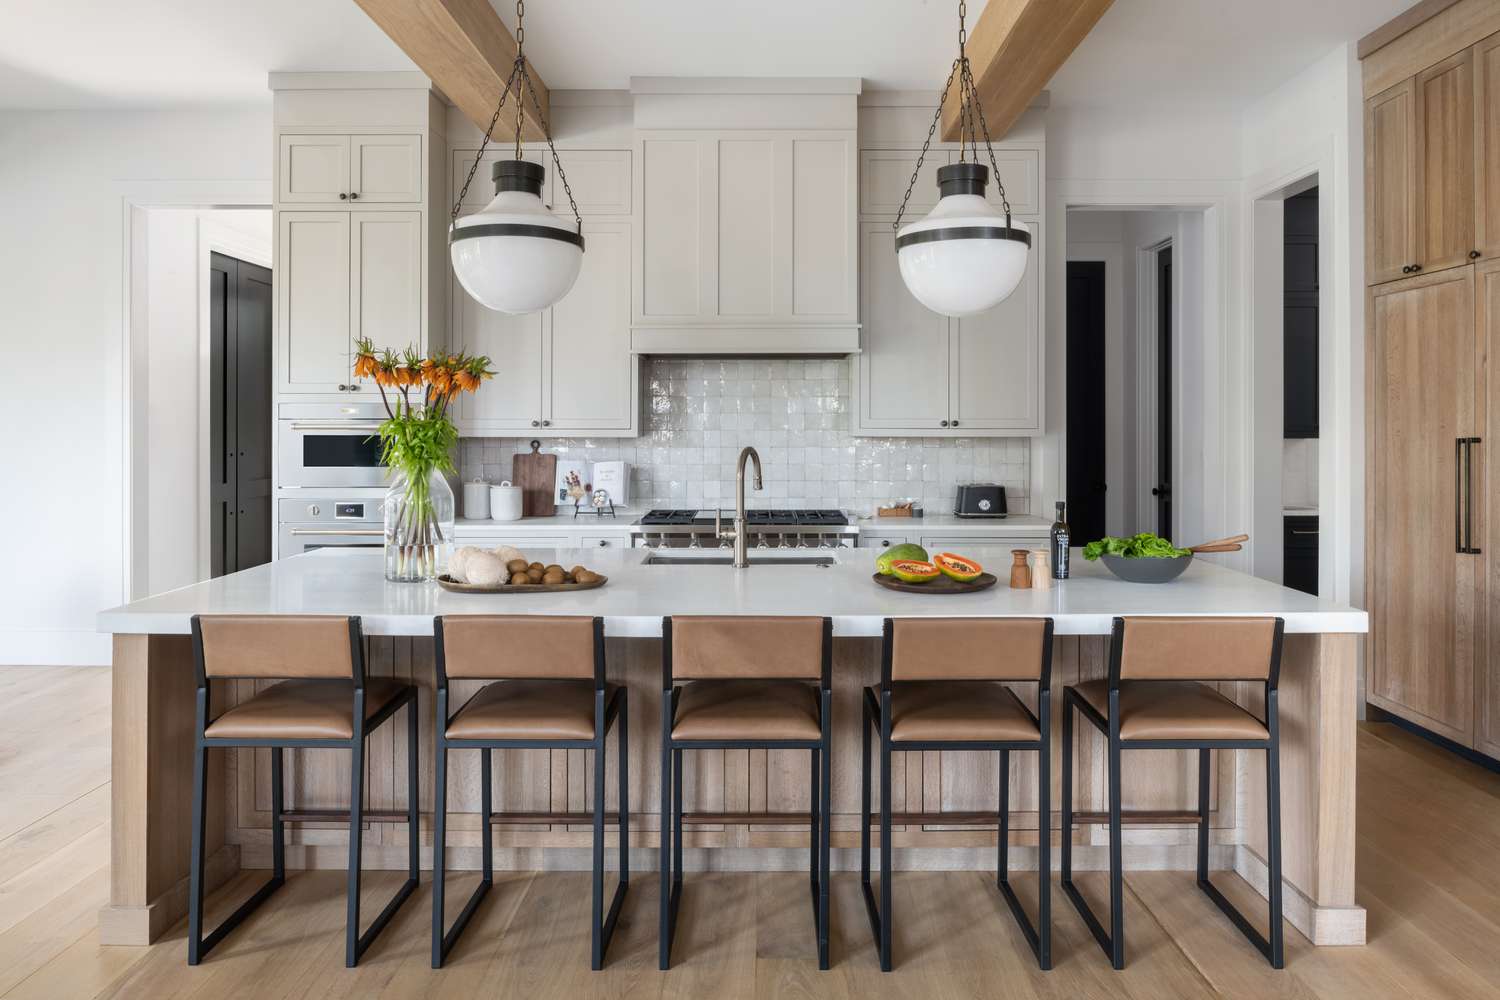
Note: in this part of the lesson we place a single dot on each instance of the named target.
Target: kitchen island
(153, 685)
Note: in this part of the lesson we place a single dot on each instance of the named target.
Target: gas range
(767, 528)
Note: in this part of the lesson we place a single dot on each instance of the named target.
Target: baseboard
(1322, 925)
(1467, 753)
(54, 647)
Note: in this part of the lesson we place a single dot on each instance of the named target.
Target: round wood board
(448, 583)
(942, 585)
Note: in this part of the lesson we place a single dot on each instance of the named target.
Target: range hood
(748, 240)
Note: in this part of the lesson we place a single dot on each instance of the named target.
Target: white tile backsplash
(699, 413)
(1299, 472)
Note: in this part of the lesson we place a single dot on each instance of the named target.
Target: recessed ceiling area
(185, 53)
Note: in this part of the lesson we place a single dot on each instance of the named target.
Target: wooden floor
(1429, 838)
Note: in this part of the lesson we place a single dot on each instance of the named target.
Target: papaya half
(913, 570)
(957, 567)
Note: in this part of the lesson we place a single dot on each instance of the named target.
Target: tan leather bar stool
(943, 687)
(749, 689)
(1157, 697)
(550, 694)
(323, 700)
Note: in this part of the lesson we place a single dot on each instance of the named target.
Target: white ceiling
(176, 53)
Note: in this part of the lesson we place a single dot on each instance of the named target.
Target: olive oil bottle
(1061, 540)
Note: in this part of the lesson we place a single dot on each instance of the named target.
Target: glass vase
(418, 526)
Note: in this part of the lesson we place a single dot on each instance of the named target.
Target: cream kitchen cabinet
(341, 276)
(349, 170)
(922, 374)
(599, 179)
(747, 241)
(566, 371)
(885, 174)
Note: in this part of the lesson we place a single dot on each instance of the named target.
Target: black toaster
(979, 500)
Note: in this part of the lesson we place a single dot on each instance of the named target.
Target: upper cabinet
(1445, 163)
(1487, 145)
(885, 175)
(747, 241)
(1390, 183)
(599, 179)
(349, 170)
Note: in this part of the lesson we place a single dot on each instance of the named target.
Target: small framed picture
(572, 481)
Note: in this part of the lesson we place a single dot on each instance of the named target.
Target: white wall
(66, 176)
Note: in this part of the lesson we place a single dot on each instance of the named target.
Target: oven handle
(361, 532)
(335, 425)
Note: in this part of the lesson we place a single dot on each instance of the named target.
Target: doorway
(1162, 490)
(240, 420)
(1087, 459)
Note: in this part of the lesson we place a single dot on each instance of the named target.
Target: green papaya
(906, 550)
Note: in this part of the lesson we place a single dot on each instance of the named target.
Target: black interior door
(240, 414)
(1087, 483)
(1163, 488)
(1299, 359)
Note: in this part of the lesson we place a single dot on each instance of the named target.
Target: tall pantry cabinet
(1432, 254)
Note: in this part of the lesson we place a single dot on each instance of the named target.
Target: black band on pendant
(964, 233)
(456, 233)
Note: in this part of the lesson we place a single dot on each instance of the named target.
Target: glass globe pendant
(514, 255)
(966, 256)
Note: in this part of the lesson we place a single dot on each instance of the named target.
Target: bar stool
(550, 694)
(748, 690)
(323, 700)
(941, 688)
(1153, 700)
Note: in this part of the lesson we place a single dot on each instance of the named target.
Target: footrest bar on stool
(240, 913)
(611, 918)
(1027, 928)
(451, 937)
(1095, 927)
(1237, 918)
(384, 917)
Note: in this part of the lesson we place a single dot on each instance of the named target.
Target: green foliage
(1142, 546)
(417, 441)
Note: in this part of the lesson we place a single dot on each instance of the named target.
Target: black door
(1086, 402)
(1299, 359)
(240, 414)
(1163, 488)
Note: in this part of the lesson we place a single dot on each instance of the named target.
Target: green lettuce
(1142, 546)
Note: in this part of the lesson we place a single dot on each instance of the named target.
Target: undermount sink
(682, 558)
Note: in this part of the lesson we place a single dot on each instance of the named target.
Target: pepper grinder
(1020, 573)
(1041, 570)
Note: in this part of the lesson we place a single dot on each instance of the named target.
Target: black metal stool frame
(606, 712)
(819, 814)
(877, 719)
(355, 944)
(1113, 940)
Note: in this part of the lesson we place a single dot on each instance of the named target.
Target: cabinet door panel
(1390, 183)
(386, 168)
(1018, 171)
(312, 282)
(385, 278)
(314, 169)
(1423, 609)
(512, 400)
(1486, 493)
(482, 188)
(671, 227)
(997, 358)
(1487, 146)
(591, 370)
(600, 179)
(1445, 162)
(903, 370)
(747, 227)
(884, 174)
(823, 255)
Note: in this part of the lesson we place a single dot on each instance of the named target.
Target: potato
(587, 576)
(534, 575)
(519, 578)
(553, 566)
(538, 567)
(552, 579)
(518, 565)
(484, 569)
(576, 570)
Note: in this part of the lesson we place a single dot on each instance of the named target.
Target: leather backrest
(280, 646)
(509, 647)
(1190, 648)
(713, 647)
(967, 649)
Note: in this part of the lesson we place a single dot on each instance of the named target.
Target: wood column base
(141, 925)
(1322, 925)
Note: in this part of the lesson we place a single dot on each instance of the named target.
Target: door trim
(1148, 309)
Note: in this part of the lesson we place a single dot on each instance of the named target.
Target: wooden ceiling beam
(467, 52)
(1014, 49)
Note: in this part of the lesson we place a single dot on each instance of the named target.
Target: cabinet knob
(1415, 268)
(546, 423)
(945, 423)
(343, 388)
(954, 424)
(343, 196)
(536, 423)
(1475, 255)
(353, 195)
(354, 387)
(885, 543)
(603, 543)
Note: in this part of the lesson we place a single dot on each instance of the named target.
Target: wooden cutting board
(536, 474)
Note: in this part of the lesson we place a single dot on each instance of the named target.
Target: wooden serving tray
(448, 583)
(942, 585)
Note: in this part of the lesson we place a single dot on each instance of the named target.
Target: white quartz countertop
(590, 523)
(349, 581)
(948, 524)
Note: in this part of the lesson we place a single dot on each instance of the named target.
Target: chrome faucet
(738, 533)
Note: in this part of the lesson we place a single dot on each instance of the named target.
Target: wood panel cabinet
(1426, 597)
(923, 374)
(1445, 163)
(1487, 147)
(1390, 183)
(1486, 511)
(349, 170)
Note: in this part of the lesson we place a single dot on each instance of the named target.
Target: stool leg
(1205, 759)
(1116, 860)
(1044, 842)
(814, 801)
(413, 797)
(1002, 841)
(439, 847)
(864, 796)
(886, 916)
(596, 924)
(195, 888)
(356, 820)
(664, 917)
(825, 757)
(676, 826)
(486, 809)
(1273, 843)
(278, 826)
(1065, 831)
(624, 789)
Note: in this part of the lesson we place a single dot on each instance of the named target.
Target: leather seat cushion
(747, 710)
(954, 711)
(304, 710)
(529, 710)
(1174, 710)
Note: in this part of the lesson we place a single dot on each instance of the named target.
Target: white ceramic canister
(505, 502)
(477, 499)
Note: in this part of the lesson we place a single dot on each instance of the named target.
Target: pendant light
(965, 256)
(515, 256)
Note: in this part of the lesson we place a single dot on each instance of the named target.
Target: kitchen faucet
(738, 533)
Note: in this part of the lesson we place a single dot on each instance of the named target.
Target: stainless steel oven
(321, 522)
(329, 445)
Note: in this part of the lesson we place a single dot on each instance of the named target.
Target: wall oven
(322, 522)
(329, 445)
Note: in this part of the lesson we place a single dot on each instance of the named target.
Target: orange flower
(385, 377)
(466, 381)
(365, 365)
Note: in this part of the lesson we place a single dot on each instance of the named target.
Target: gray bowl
(1147, 569)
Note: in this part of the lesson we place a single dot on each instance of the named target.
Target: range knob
(313, 510)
